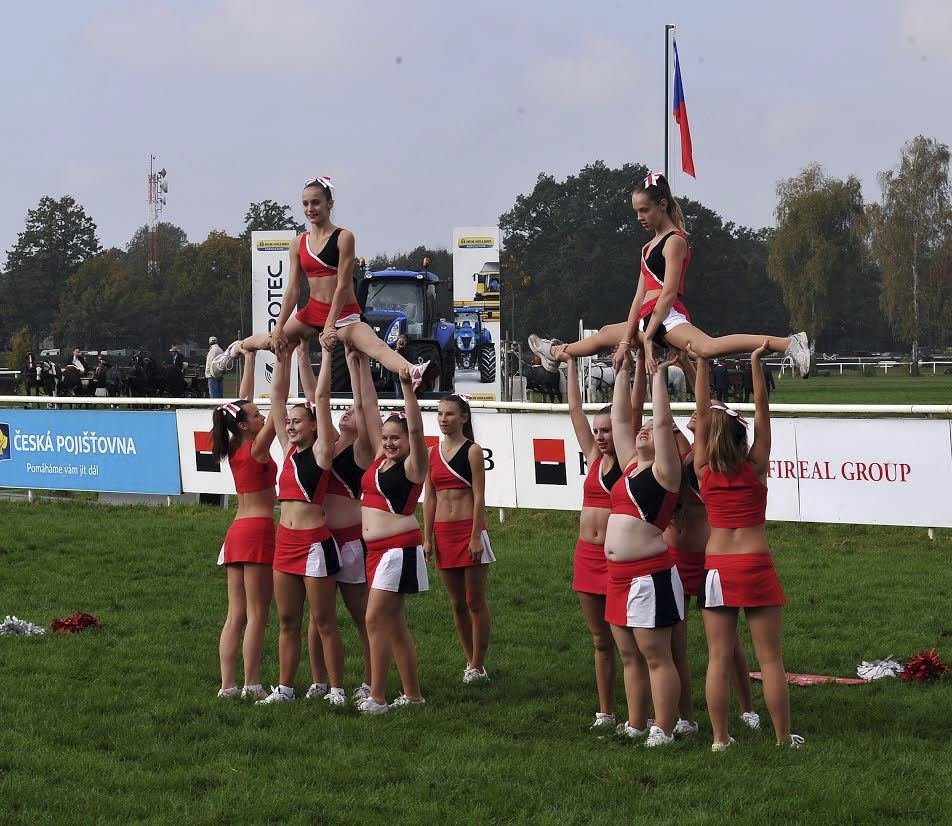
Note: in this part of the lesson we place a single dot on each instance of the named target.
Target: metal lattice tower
(158, 188)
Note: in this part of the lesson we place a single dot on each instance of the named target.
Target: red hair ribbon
(653, 178)
(231, 408)
(323, 180)
(730, 412)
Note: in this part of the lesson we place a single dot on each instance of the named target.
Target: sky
(430, 114)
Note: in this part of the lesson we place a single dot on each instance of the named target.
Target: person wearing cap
(176, 359)
(213, 372)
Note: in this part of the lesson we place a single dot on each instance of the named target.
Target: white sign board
(270, 270)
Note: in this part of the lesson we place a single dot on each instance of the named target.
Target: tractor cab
(487, 282)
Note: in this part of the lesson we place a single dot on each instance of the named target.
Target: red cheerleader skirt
(589, 569)
(249, 540)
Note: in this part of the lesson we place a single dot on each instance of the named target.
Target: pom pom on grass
(924, 667)
(79, 621)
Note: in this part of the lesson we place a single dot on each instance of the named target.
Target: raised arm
(631, 326)
(702, 405)
(638, 391)
(622, 433)
(247, 388)
(306, 371)
(417, 464)
(667, 461)
(280, 382)
(369, 407)
(760, 450)
(326, 434)
(580, 423)
(363, 448)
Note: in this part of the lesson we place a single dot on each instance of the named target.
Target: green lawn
(122, 724)
(892, 388)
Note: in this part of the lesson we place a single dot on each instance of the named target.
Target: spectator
(175, 358)
(768, 378)
(747, 382)
(78, 362)
(721, 381)
(213, 371)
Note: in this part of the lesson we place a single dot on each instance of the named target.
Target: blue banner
(105, 451)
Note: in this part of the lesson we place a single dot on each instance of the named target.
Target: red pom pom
(924, 667)
(79, 621)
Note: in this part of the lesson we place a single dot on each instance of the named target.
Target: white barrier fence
(877, 471)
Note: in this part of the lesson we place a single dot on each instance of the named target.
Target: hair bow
(230, 408)
(730, 412)
(653, 178)
(400, 414)
(466, 397)
(323, 180)
(309, 405)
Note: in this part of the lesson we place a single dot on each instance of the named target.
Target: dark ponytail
(463, 406)
(226, 434)
(657, 188)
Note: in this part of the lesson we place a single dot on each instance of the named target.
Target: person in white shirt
(213, 372)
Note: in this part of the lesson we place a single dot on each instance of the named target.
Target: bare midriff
(454, 505)
(341, 511)
(592, 523)
(378, 524)
(256, 504)
(690, 530)
(301, 516)
(628, 538)
(750, 540)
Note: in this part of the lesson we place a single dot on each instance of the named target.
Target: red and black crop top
(346, 475)
(302, 478)
(456, 474)
(250, 474)
(643, 497)
(390, 490)
(596, 490)
(325, 262)
(652, 266)
(737, 499)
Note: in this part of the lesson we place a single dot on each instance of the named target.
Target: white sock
(287, 690)
(252, 687)
(337, 690)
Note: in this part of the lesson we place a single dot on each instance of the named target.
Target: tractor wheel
(340, 376)
(487, 364)
(448, 370)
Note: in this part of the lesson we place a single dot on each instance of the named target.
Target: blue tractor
(403, 302)
(474, 344)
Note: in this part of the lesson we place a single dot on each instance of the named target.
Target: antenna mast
(158, 188)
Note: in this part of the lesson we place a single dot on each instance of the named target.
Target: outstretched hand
(651, 364)
(621, 357)
(329, 338)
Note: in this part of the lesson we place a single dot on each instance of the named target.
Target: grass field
(122, 724)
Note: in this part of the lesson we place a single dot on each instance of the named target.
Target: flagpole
(667, 96)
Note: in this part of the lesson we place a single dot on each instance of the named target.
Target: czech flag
(680, 111)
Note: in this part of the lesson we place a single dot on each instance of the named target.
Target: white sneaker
(602, 720)
(336, 697)
(475, 675)
(253, 692)
(800, 354)
(626, 730)
(684, 729)
(542, 347)
(276, 696)
(316, 691)
(417, 373)
(226, 360)
(716, 747)
(371, 706)
(228, 693)
(793, 740)
(751, 719)
(657, 737)
(361, 693)
(403, 700)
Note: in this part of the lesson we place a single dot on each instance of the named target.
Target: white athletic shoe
(336, 697)
(228, 693)
(657, 737)
(253, 692)
(361, 693)
(793, 740)
(800, 354)
(371, 706)
(316, 691)
(403, 700)
(602, 721)
(475, 675)
(417, 373)
(751, 719)
(542, 347)
(716, 747)
(276, 696)
(626, 730)
(684, 729)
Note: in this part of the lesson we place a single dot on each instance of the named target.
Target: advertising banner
(476, 294)
(270, 269)
(106, 451)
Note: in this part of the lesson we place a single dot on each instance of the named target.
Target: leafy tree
(816, 251)
(268, 215)
(146, 298)
(59, 236)
(21, 343)
(912, 240)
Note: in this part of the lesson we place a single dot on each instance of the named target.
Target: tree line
(856, 276)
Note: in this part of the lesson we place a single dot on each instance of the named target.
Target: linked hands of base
(279, 342)
(621, 357)
(329, 338)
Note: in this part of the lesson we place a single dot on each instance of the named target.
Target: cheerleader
(657, 313)
(454, 520)
(739, 571)
(244, 436)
